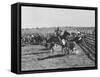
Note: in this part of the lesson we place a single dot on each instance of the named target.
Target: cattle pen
(36, 56)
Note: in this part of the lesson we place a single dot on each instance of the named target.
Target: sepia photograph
(57, 38)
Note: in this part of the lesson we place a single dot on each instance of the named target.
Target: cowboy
(58, 34)
(58, 31)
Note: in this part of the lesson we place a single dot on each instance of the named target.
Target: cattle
(25, 39)
(78, 39)
(65, 35)
(69, 41)
(32, 39)
(67, 46)
(61, 40)
(52, 40)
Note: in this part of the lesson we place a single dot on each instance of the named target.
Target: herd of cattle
(66, 40)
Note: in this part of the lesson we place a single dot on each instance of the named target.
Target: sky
(33, 17)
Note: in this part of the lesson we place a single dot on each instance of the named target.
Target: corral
(37, 57)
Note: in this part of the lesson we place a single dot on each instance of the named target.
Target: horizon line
(58, 26)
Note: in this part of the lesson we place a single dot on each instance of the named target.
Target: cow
(37, 39)
(32, 41)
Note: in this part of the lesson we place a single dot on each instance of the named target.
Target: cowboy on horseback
(62, 38)
(58, 32)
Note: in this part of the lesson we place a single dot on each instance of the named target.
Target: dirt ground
(36, 57)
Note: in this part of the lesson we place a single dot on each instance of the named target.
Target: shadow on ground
(52, 56)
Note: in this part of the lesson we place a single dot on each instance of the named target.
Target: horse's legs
(64, 50)
(72, 51)
(67, 50)
(52, 50)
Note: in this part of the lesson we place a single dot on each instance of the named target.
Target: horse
(62, 41)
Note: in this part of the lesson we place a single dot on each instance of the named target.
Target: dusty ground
(36, 57)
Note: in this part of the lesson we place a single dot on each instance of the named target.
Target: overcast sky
(33, 17)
